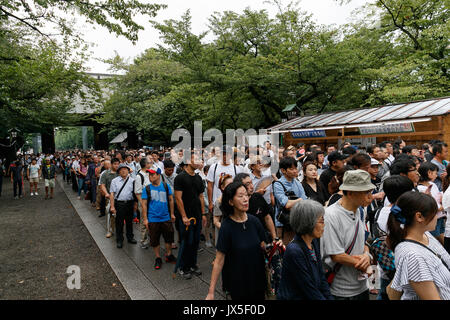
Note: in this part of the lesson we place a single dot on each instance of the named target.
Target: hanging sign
(388, 128)
(308, 134)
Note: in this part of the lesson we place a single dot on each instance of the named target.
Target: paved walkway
(134, 265)
(39, 240)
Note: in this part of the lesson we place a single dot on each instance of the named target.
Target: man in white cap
(343, 243)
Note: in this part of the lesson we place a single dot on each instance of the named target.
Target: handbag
(331, 274)
(284, 214)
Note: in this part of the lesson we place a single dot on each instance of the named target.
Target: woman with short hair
(302, 275)
(240, 249)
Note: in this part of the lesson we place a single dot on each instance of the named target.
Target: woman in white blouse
(422, 263)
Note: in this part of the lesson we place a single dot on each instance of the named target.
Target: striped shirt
(416, 263)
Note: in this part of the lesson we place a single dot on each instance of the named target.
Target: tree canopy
(42, 56)
(254, 65)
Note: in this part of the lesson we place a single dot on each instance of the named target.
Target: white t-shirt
(435, 193)
(446, 205)
(34, 170)
(383, 218)
(76, 165)
(221, 170)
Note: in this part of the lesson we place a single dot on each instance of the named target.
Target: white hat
(374, 162)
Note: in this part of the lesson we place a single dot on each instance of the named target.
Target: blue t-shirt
(158, 208)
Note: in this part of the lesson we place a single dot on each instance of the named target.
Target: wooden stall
(415, 122)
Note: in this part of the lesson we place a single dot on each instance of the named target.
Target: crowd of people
(321, 226)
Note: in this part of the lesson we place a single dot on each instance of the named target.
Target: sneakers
(196, 271)
(158, 263)
(208, 244)
(109, 235)
(171, 259)
(79, 198)
(185, 275)
(144, 245)
(200, 249)
(36, 194)
(16, 198)
(31, 194)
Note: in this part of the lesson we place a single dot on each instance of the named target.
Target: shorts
(440, 227)
(50, 183)
(156, 229)
(35, 180)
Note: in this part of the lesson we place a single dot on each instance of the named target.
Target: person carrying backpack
(142, 180)
(158, 215)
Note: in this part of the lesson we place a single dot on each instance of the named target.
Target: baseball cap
(357, 180)
(374, 162)
(335, 156)
(123, 165)
(155, 169)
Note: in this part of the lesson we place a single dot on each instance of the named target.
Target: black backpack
(284, 214)
(377, 232)
(149, 194)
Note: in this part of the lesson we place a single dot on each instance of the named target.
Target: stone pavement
(134, 266)
(39, 240)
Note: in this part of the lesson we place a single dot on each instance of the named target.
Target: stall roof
(414, 111)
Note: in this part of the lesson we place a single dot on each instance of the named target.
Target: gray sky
(105, 44)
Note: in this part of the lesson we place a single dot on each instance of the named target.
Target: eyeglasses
(412, 169)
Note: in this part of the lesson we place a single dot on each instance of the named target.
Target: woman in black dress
(240, 249)
(313, 187)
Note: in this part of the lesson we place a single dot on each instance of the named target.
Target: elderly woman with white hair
(302, 275)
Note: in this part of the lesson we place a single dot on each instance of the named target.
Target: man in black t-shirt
(189, 189)
(336, 162)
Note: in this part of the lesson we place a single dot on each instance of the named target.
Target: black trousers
(17, 184)
(191, 244)
(124, 211)
(1, 183)
(102, 205)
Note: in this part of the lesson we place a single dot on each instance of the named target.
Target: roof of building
(392, 113)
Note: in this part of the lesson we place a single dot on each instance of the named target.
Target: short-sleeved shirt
(139, 183)
(280, 196)
(107, 177)
(243, 272)
(340, 226)
(417, 264)
(127, 192)
(49, 171)
(158, 208)
(192, 187)
(34, 170)
(441, 168)
(16, 171)
(220, 170)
